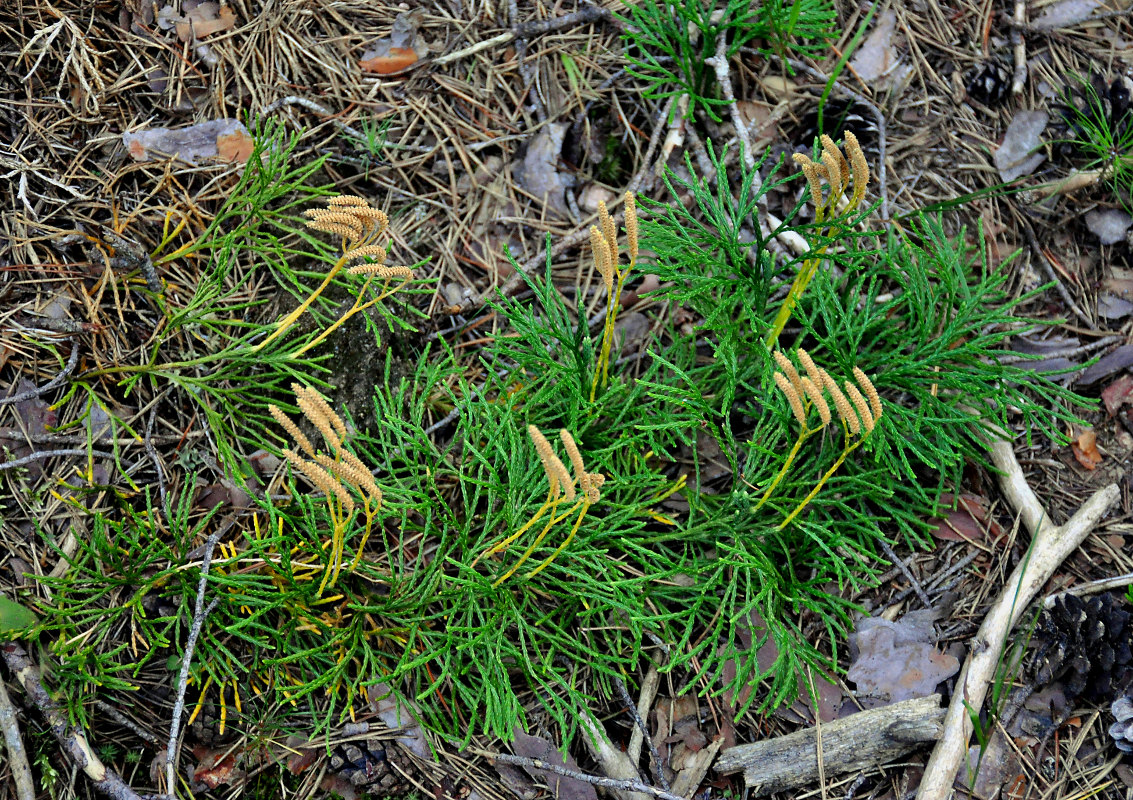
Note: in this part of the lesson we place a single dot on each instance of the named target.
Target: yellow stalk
(849, 448)
(365, 536)
(285, 324)
(527, 553)
(503, 545)
(804, 434)
(566, 541)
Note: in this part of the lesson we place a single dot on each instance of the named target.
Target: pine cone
(989, 82)
(1122, 730)
(1087, 644)
(376, 766)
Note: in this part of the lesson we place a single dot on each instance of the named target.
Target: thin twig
(17, 755)
(127, 723)
(1066, 352)
(199, 614)
(1050, 545)
(151, 451)
(645, 698)
(637, 182)
(527, 75)
(73, 742)
(605, 783)
(42, 454)
(323, 111)
(658, 771)
(719, 62)
(1053, 30)
(857, 784)
(1048, 268)
(1093, 587)
(913, 582)
(525, 30)
(72, 362)
(937, 585)
(16, 435)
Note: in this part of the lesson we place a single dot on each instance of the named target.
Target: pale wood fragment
(860, 741)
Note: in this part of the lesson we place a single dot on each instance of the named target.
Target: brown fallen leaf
(221, 139)
(215, 767)
(394, 60)
(1121, 357)
(896, 660)
(204, 20)
(970, 521)
(538, 173)
(401, 49)
(564, 788)
(1086, 449)
(1117, 394)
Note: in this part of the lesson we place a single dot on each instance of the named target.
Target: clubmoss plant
(334, 475)
(361, 230)
(210, 347)
(858, 415)
(604, 245)
(836, 171)
(336, 587)
(561, 487)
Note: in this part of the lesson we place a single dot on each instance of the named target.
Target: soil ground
(456, 124)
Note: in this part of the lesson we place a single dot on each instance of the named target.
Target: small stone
(590, 195)
(1109, 224)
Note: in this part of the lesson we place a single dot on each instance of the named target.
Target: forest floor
(482, 128)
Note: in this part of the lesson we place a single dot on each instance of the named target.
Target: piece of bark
(689, 778)
(861, 741)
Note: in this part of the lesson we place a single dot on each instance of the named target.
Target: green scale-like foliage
(697, 586)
